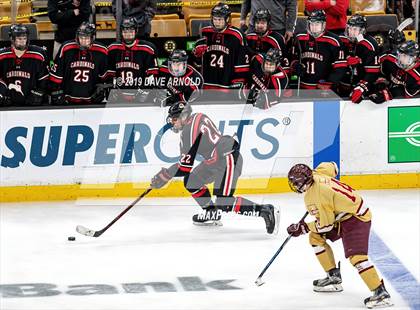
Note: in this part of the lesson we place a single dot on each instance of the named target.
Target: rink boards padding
(113, 152)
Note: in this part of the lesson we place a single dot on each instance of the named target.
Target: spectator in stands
(142, 11)
(283, 19)
(336, 11)
(68, 15)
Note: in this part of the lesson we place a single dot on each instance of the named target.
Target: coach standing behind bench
(283, 14)
(142, 11)
(68, 15)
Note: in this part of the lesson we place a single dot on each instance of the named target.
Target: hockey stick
(259, 280)
(92, 233)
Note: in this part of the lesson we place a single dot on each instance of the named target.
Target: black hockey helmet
(317, 16)
(356, 20)
(179, 110)
(178, 57)
(271, 60)
(300, 177)
(407, 53)
(220, 10)
(86, 29)
(19, 30)
(128, 24)
(262, 15)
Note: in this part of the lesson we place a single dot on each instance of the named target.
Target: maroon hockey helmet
(300, 177)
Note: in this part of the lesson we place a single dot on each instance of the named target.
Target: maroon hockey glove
(161, 178)
(324, 85)
(358, 91)
(298, 229)
(353, 60)
(381, 96)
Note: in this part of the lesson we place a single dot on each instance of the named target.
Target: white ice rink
(154, 258)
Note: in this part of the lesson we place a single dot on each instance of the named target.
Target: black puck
(71, 238)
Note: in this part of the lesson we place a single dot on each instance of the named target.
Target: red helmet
(299, 176)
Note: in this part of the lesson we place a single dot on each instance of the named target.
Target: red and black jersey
(77, 71)
(323, 58)
(129, 64)
(199, 136)
(262, 43)
(182, 87)
(403, 83)
(368, 69)
(224, 62)
(268, 85)
(20, 75)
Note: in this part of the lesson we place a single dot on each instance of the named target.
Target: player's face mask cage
(316, 28)
(177, 68)
(354, 32)
(261, 26)
(269, 66)
(84, 41)
(300, 178)
(177, 115)
(128, 35)
(20, 42)
(405, 61)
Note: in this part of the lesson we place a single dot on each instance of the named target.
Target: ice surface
(198, 267)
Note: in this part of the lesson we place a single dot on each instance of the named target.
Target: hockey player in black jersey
(177, 80)
(266, 80)
(23, 70)
(322, 63)
(361, 52)
(80, 69)
(400, 74)
(222, 165)
(222, 52)
(129, 62)
(263, 38)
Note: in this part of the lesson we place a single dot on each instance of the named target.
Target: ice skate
(380, 298)
(332, 283)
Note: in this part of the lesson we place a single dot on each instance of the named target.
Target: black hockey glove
(381, 96)
(161, 178)
(253, 95)
(99, 94)
(57, 98)
(35, 97)
(298, 68)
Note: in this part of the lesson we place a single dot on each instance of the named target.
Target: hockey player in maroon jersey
(80, 69)
(128, 63)
(23, 70)
(400, 74)
(222, 165)
(322, 63)
(361, 51)
(222, 51)
(263, 38)
(266, 80)
(177, 80)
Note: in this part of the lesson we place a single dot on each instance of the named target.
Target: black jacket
(61, 13)
(142, 10)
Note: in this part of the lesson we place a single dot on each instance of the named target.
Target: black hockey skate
(271, 216)
(380, 298)
(210, 216)
(332, 283)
